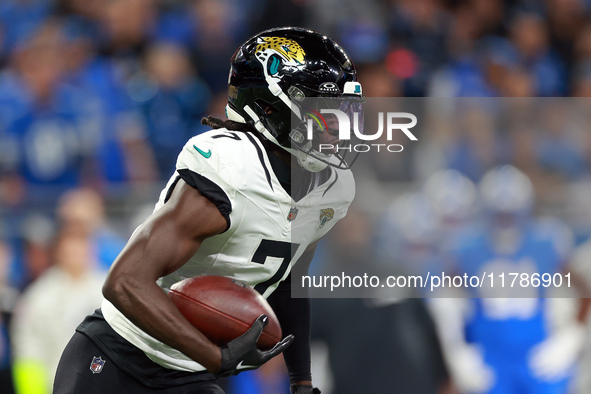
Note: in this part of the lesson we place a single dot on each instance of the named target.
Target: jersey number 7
(280, 249)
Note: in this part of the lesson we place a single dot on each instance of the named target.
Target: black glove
(243, 350)
(303, 389)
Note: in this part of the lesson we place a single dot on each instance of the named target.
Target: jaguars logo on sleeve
(325, 215)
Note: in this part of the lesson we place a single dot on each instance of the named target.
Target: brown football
(223, 309)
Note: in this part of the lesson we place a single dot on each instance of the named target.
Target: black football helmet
(273, 72)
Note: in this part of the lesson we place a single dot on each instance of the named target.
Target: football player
(238, 206)
(507, 339)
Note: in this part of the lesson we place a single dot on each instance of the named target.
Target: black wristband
(227, 366)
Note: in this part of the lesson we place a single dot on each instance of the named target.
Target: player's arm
(294, 316)
(161, 245)
(555, 357)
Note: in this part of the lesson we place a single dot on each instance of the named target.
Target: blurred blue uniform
(43, 139)
(507, 329)
(103, 113)
(79, 132)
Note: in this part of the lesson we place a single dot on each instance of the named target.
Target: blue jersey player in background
(510, 339)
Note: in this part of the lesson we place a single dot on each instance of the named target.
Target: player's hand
(553, 359)
(303, 389)
(242, 353)
(469, 371)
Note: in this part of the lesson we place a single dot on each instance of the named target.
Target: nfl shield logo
(293, 212)
(96, 366)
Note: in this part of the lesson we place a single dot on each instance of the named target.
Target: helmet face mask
(273, 73)
(318, 133)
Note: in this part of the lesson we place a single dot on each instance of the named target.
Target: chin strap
(306, 161)
(276, 91)
(233, 115)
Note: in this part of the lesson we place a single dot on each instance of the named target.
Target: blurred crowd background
(98, 97)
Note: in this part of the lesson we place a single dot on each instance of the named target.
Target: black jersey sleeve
(294, 316)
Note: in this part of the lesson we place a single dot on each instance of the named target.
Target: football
(223, 309)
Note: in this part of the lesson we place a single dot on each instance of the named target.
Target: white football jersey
(268, 231)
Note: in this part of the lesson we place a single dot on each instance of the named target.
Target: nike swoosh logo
(207, 154)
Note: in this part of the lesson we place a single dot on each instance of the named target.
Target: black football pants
(74, 374)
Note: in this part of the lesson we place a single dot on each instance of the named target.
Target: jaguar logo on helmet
(274, 51)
